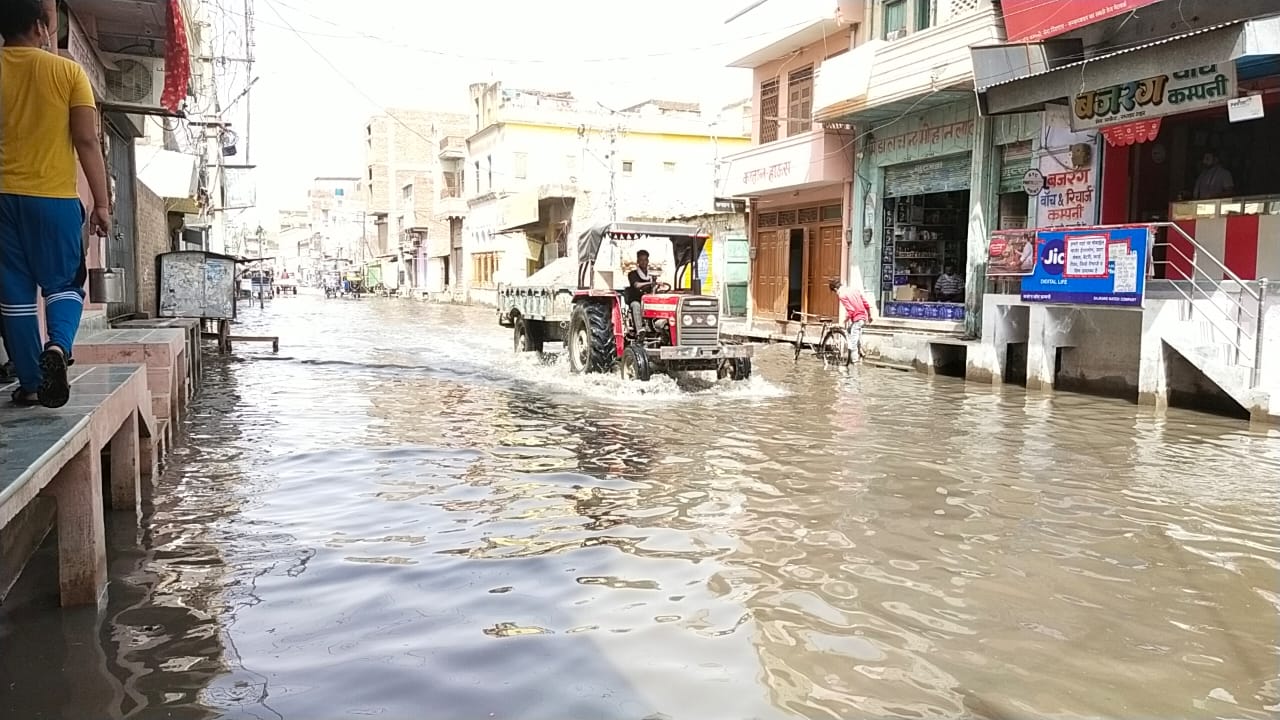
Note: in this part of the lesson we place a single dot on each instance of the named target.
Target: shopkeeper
(1214, 181)
(950, 287)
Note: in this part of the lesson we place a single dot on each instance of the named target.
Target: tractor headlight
(688, 320)
(711, 320)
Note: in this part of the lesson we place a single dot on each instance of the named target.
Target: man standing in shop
(1214, 181)
(950, 286)
(857, 313)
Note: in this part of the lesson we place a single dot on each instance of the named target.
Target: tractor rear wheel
(591, 339)
(736, 369)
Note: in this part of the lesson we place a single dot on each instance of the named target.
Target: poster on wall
(1012, 253)
(1089, 266)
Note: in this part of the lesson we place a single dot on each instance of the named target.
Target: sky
(325, 66)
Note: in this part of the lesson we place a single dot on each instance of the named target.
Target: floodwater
(398, 519)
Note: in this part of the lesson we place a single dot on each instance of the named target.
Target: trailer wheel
(528, 338)
(591, 347)
(635, 365)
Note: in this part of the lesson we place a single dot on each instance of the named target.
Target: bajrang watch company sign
(1177, 92)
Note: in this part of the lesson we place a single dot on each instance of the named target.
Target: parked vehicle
(585, 310)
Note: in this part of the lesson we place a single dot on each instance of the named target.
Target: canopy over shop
(1189, 124)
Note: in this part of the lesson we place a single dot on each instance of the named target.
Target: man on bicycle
(857, 313)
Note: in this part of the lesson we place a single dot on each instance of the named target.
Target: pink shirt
(856, 307)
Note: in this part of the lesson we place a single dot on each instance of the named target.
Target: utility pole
(248, 64)
(613, 174)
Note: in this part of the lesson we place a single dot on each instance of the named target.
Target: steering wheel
(661, 287)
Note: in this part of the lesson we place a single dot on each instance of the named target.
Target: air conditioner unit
(134, 79)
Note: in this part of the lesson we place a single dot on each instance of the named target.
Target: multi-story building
(797, 176)
(403, 176)
(541, 167)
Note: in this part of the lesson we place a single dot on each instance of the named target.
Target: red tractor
(681, 327)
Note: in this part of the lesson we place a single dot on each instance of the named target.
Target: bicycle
(833, 344)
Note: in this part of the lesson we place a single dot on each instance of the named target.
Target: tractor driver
(639, 282)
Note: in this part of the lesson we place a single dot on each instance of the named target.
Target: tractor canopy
(606, 253)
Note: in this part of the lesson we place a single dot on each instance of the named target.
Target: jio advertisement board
(1089, 266)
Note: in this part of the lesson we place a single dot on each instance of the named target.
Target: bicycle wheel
(799, 343)
(835, 348)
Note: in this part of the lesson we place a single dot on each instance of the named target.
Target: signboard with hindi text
(1176, 92)
(1103, 266)
(1031, 20)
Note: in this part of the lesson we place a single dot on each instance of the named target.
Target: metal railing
(1244, 325)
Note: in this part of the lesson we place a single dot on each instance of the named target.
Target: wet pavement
(396, 518)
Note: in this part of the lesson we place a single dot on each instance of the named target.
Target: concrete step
(92, 321)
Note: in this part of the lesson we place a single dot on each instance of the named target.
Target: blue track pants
(40, 246)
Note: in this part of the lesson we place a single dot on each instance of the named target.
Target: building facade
(541, 167)
(403, 179)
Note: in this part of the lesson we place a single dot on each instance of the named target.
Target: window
(489, 162)
(571, 167)
(669, 167)
(923, 17)
(800, 101)
(520, 165)
(371, 172)
(769, 111)
(895, 19)
(627, 167)
(483, 268)
(477, 177)
(407, 192)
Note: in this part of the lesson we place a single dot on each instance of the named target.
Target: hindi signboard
(1089, 266)
(1176, 92)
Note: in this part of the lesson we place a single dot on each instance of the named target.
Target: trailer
(580, 305)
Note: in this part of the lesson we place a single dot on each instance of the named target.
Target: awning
(1226, 42)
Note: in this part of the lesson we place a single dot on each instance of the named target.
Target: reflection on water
(399, 519)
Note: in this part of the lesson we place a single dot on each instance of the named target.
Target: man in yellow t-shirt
(48, 118)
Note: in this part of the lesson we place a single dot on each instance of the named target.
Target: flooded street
(397, 518)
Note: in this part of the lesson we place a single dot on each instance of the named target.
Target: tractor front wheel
(736, 369)
(591, 343)
(635, 365)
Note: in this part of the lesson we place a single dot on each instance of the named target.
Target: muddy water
(397, 519)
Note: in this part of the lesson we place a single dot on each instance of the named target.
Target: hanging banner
(1159, 95)
(1090, 266)
(1031, 20)
(1012, 253)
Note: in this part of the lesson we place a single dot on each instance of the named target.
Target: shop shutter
(930, 176)
(1015, 161)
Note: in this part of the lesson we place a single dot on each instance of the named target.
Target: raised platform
(58, 454)
(164, 353)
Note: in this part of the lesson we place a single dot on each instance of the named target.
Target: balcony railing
(453, 146)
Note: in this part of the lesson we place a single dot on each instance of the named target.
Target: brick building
(402, 187)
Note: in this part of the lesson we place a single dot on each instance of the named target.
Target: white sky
(308, 119)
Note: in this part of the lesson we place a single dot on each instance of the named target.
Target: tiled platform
(195, 357)
(57, 453)
(164, 353)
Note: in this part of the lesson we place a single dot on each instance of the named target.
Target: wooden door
(824, 264)
(769, 274)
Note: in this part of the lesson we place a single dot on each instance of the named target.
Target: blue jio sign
(1090, 266)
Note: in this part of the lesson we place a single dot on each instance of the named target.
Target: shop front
(798, 190)
(1187, 129)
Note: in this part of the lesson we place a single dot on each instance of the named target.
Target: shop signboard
(1012, 253)
(1089, 266)
(1065, 190)
(1031, 20)
(1171, 93)
(946, 130)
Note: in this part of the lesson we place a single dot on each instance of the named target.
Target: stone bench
(164, 353)
(57, 454)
